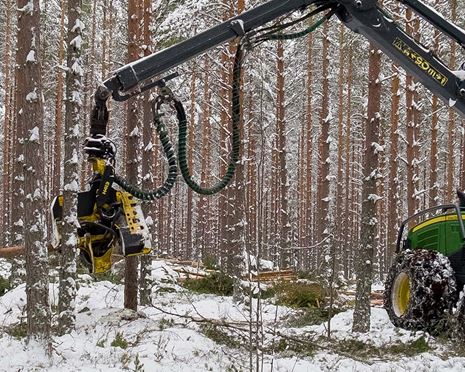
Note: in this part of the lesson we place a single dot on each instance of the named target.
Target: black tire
(420, 290)
(460, 316)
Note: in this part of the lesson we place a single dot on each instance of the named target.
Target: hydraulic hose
(272, 34)
(169, 154)
(236, 140)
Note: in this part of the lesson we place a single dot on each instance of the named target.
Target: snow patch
(32, 96)
(76, 42)
(31, 56)
(34, 135)
(76, 68)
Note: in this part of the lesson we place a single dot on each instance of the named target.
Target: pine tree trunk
(433, 179)
(309, 219)
(5, 215)
(204, 249)
(323, 193)
(412, 131)
(225, 203)
(146, 279)
(189, 209)
(364, 260)
(57, 165)
(17, 165)
(74, 88)
(348, 248)
(89, 79)
(133, 147)
(283, 217)
(251, 189)
(451, 123)
(340, 230)
(393, 217)
(30, 120)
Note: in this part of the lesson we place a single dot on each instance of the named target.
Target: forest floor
(184, 331)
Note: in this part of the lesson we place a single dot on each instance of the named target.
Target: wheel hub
(401, 294)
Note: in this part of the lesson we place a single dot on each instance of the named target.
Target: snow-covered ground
(109, 338)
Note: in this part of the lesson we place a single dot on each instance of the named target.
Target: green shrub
(410, 349)
(101, 342)
(309, 316)
(219, 336)
(18, 331)
(366, 350)
(119, 341)
(109, 276)
(299, 294)
(4, 286)
(308, 275)
(217, 283)
(165, 323)
(268, 292)
(210, 263)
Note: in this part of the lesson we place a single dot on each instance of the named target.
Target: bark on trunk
(364, 261)
(74, 75)
(30, 120)
(133, 149)
(5, 215)
(146, 279)
(323, 193)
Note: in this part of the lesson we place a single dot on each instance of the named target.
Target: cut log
(18, 250)
(10, 252)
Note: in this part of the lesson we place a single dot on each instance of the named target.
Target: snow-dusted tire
(420, 290)
(460, 331)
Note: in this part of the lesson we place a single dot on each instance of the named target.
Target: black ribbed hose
(275, 35)
(236, 139)
(170, 156)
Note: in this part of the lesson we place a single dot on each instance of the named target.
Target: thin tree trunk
(205, 160)
(365, 255)
(5, 216)
(348, 248)
(433, 179)
(412, 131)
(340, 230)
(133, 147)
(393, 216)
(146, 279)
(18, 273)
(56, 178)
(192, 116)
(309, 219)
(74, 76)
(451, 123)
(284, 233)
(224, 197)
(323, 193)
(30, 120)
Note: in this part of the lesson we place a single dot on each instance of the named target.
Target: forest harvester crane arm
(111, 216)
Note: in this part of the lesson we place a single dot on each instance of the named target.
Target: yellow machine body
(117, 228)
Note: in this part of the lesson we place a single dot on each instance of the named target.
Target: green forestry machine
(422, 285)
(430, 263)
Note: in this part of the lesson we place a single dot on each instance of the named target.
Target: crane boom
(111, 217)
(365, 17)
(373, 23)
(158, 63)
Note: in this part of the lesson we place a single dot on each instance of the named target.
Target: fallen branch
(17, 250)
(236, 325)
(11, 252)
